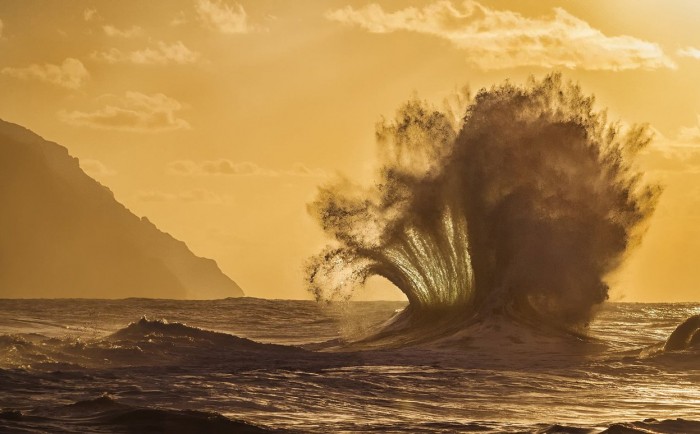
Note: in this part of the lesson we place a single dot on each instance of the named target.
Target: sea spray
(520, 208)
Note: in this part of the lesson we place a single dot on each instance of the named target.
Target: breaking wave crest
(141, 343)
(521, 207)
(685, 336)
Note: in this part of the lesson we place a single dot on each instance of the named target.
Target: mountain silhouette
(63, 234)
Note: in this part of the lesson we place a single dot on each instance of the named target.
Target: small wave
(105, 412)
(681, 350)
(425, 427)
(162, 329)
(10, 341)
(564, 429)
(155, 343)
(685, 336)
(653, 426)
(173, 339)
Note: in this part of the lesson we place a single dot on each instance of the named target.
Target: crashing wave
(519, 209)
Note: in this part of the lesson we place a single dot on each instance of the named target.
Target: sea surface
(252, 365)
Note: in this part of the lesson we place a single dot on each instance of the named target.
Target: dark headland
(62, 232)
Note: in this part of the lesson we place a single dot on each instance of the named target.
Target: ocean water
(252, 365)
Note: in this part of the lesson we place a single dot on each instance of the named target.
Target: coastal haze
(217, 120)
(65, 234)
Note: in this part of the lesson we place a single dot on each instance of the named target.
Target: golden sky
(218, 119)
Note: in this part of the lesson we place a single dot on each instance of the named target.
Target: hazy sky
(218, 119)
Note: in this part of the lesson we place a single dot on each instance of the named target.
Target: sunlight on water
(59, 367)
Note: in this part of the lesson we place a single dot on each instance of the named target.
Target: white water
(58, 357)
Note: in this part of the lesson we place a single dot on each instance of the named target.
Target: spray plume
(521, 207)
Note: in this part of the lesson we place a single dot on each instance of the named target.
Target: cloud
(194, 195)
(671, 159)
(301, 170)
(690, 135)
(131, 32)
(96, 168)
(674, 155)
(691, 52)
(70, 74)
(90, 14)
(134, 112)
(229, 168)
(499, 39)
(217, 167)
(179, 19)
(223, 18)
(163, 54)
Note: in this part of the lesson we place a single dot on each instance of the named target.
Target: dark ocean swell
(105, 414)
(74, 371)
